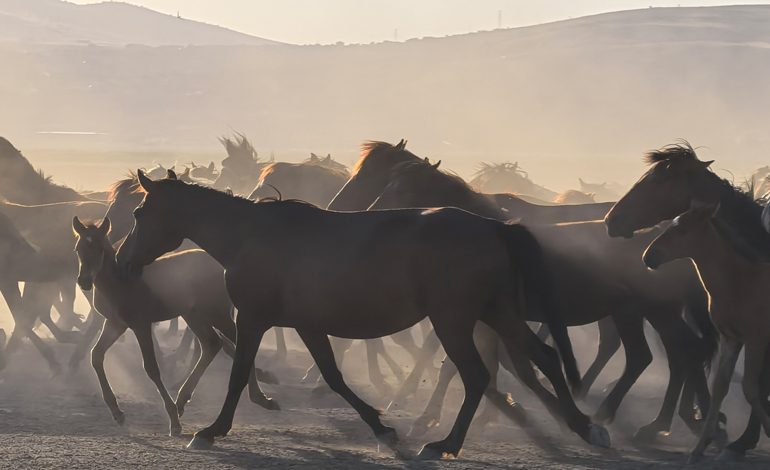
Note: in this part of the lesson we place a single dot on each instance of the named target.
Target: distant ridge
(108, 23)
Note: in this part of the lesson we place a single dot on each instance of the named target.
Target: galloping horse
(364, 275)
(187, 284)
(592, 282)
(737, 287)
(676, 178)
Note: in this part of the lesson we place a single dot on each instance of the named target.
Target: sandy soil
(61, 422)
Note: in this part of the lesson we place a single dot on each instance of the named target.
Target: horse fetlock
(264, 401)
(647, 434)
(599, 436)
(200, 443)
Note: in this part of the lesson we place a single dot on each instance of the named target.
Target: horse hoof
(267, 377)
(720, 438)
(321, 390)
(430, 453)
(598, 436)
(200, 443)
(175, 430)
(646, 434)
(729, 455)
(119, 418)
(267, 403)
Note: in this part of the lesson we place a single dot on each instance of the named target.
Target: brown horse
(364, 275)
(310, 182)
(48, 227)
(676, 178)
(187, 284)
(240, 170)
(738, 307)
(592, 281)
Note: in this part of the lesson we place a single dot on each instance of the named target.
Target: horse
(48, 227)
(125, 195)
(736, 285)
(187, 284)
(240, 170)
(307, 181)
(199, 172)
(677, 177)
(602, 192)
(508, 177)
(591, 282)
(291, 264)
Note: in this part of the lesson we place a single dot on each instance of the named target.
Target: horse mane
(680, 150)
(373, 148)
(740, 214)
(199, 190)
(128, 185)
(238, 147)
(487, 169)
(32, 177)
(451, 183)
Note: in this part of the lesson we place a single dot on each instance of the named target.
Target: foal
(737, 303)
(189, 284)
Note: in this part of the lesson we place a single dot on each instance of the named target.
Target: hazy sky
(363, 21)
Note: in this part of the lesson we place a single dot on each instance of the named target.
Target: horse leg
(412, 382)
(256, 395)
(147, 345)
(210, 346)
(457, 340)
(373, 349)
(609, 343)
(183, 350)
(754, 363)
(521, 344)
(94, 326)
(392, 364)
(68, 319)
(249, 334)
(280, 344)
(406, 340)
(728, 354)
(737, 449)
(323, 355)
(630, 327)
(111, 331)
(340, 346)
(431, 416)
(173, 327)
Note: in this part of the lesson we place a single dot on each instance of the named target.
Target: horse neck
(717, 263)
(217, 231)
(742, 215)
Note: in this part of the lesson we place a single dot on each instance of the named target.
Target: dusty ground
(62, 423)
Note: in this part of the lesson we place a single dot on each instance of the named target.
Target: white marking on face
(676, 221)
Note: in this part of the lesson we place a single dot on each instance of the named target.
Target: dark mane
(681, 150)
(373, 148)
(225, 196)
(485, 169)
(238, 147)
(451, 185)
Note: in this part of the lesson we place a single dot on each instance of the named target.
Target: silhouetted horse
(187, 284)
(594, 277)
(364, 275)
(737, 287)
(676, 178)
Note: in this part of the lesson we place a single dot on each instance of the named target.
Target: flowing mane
(128, 185)
(238, 147)
(681, 150)
(739, 219)
(372, 149)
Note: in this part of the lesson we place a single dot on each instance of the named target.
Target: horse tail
(526, 257)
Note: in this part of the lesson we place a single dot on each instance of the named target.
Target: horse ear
(706, 164)
(211, 166)
(104, 226)
(582, 183)
(146, 183)
(77, 225)
(171, 174)
(435, 166)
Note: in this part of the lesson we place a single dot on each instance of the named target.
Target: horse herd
(398, 241)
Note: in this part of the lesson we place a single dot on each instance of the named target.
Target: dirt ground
(61, 422)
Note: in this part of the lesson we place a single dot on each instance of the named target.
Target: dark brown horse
(187, 284)
(677, 177)
(364, 275)
(737, 302)
(592, 281)
(310, 182)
